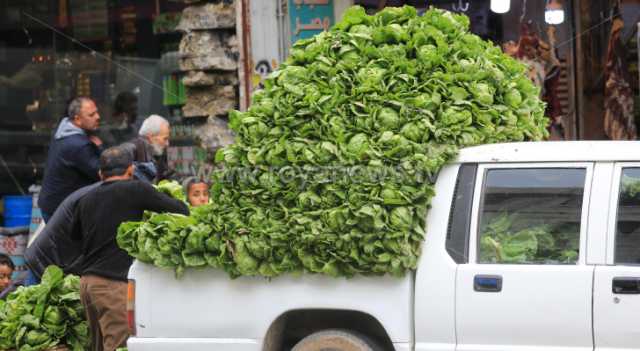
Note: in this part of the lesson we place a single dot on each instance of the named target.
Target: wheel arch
(292, 326)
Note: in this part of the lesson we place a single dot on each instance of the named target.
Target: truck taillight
(131, 306)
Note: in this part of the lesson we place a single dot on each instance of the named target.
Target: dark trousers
(105, 303)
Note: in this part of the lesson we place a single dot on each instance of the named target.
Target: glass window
(627, 249)
(460, 216)
(122, 54)
(531, 216)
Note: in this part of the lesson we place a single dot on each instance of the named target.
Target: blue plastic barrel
(17, 211)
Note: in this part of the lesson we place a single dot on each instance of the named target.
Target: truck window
(531, 215)
(460, 214)
(627, 247)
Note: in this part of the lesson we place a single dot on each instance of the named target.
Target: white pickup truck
(529, 246)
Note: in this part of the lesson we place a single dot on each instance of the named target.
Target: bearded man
(149, 149)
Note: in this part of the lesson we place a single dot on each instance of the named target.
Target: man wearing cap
(104, 265)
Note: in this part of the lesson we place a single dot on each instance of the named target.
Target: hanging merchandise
(619, 123)
(529, 53)
(167, 96)
(83, 85)
(551, 92)
(63, 14)
(460, 7)
(527, 50)
(182, 94)
(90, 19)
(128, 27)
(544, 70)
(173, 91)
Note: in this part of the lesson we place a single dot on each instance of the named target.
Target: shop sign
(309, 17)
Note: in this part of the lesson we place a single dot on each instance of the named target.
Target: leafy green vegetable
(41, 316)
(332, 167)
(630, 186)
(501, 242)
(172, 188)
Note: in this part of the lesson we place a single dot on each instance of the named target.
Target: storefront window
(122, 54)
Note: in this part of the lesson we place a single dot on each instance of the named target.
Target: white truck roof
(552, 151)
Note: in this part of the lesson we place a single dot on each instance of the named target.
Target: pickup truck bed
(255, 304)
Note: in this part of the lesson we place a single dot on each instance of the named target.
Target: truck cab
(528, 246)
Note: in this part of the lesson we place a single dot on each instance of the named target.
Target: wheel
(335, 340)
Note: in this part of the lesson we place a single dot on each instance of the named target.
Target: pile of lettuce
(333, 165)
(42, 316)
(172, 188)
(507, 238)
(630, 187)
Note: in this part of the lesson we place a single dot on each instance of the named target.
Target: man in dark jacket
(73, 158)
(53, 246)
(104, 266)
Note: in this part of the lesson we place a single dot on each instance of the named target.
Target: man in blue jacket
(74, 155)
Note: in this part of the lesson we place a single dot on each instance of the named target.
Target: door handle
(626, 285)
(487, 283)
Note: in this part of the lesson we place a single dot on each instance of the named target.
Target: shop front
(193, 61)
(119, 53)
(122, 54)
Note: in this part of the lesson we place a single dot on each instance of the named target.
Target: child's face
(198, 194)
(5, 276)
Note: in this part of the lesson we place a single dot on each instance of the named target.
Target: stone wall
(209, 60)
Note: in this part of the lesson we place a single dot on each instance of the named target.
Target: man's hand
(94, 139)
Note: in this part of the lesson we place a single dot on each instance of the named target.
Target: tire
(335, 340)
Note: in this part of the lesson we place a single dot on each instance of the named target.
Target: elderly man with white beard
(149, 149)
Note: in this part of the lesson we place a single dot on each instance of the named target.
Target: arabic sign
(309, 17)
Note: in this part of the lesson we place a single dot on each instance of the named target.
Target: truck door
(527, 286)
(617, 284)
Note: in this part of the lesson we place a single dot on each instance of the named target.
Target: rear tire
(336, 340)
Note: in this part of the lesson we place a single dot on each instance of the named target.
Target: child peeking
(197, 192)
(7, 285)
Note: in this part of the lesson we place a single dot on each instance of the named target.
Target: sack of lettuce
(48, 316)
